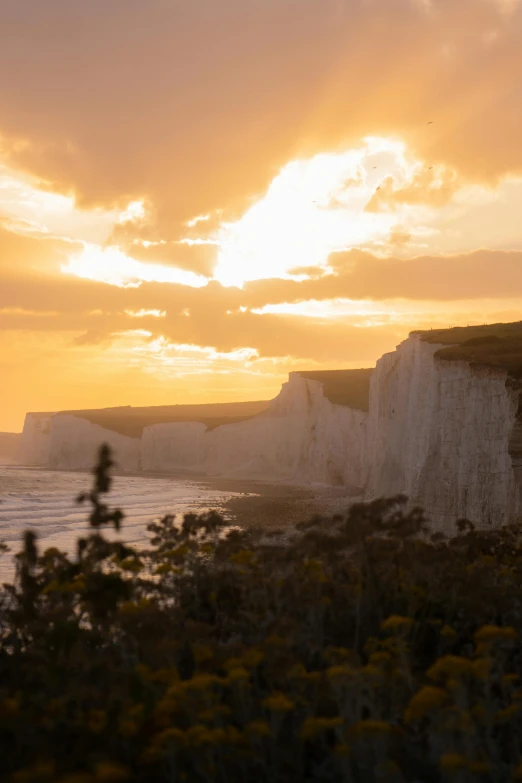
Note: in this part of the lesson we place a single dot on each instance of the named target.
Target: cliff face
(446, 434)
(74, 445)
(301, 437)
(35, 442)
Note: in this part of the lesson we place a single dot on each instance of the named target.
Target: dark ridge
(493, 345)
(350, 388)
(131, 421)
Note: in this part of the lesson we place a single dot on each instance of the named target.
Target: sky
(199, 196)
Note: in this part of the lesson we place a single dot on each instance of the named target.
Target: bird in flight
(430, 123)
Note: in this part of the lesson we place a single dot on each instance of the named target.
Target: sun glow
(312, 208)
(111, 265)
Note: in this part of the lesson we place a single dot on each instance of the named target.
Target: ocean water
(44, 501)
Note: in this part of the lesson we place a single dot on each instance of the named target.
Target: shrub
(365, 650)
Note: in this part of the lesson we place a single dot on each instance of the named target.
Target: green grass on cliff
(492, 345)
(131, 421)
(344, 387)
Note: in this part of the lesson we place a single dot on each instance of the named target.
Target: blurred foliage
(364, 650)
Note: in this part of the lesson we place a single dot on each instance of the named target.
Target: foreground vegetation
(367, 650)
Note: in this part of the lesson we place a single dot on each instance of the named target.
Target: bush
(366, 650)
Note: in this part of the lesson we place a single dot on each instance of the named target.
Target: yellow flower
(452, 761)
(397, 623)
(132, 564)
(245, 557)
(203, 735)
(448, 632)
(370, 728)
(170, 736)
(339, 673)
(343, 749)
(505, 715)
(111, 773)
(278, 702)
(258, 728)
(201, 682)
(239, 674)
(450, 666)
(517, 772)
(10, 706)
(314, 726)
(494, 633)
(426, 700)
(252, 658)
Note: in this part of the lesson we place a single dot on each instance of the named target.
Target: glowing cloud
(110, 265)
(312, 208)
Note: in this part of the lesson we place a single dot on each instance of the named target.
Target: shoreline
(272, 506)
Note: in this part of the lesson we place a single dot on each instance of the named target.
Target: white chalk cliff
(302, 437)
(445, 433)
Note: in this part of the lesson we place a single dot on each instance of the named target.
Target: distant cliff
(9, 444)
(439, 419)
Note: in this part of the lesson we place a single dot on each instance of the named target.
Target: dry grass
(344, 387)
(493, 345)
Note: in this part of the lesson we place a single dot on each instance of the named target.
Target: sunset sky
(198, 196)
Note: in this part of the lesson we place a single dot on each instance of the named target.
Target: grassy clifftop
(492, 345)
(131, 421)
(344, 387)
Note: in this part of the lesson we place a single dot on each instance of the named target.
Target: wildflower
(258, 728)
(170, 736)
(245, 557)
(505, 715)
(337, 654)
(481, 668)
(368, 728)
(252, 658)
(452, 761)
(111, 773)
(338, 673)
(450, 665)
(426, 700)
(132, 564)
(201, 682)
(397, 623)
(517, 772)
(238, 674)
(278, 702)
(495, 633)
(312, 727)
(343, 749)
(448, 632)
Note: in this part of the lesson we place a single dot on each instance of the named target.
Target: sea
(45, 501)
